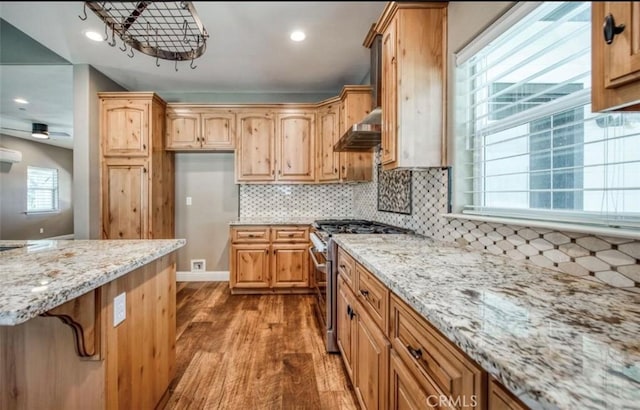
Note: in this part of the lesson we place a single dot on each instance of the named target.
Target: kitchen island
(67, 342)
(555, 341)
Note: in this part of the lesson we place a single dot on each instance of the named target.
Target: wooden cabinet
(355, 105)
(295, 144)
(256, 146)
(372, 361)
(615, 72)
(346, 325)
(413, 84)
(501, 399)
(373, 296)
(328, 127)
(194, 128)
(136, 173)
(405, 393)
(346, 267)
(269, 259)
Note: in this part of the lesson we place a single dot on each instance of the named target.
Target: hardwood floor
(252, 352)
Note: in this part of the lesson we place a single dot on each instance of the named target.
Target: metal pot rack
(168, 30)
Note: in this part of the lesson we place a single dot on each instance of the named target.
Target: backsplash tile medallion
(394, 191)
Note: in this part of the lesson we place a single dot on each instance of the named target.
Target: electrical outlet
(189, 202)
(198, 265)
(119, 309)
(41, 230)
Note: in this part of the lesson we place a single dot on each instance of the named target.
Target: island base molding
(82, 361)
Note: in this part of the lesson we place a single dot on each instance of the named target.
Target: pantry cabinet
(200, 128)
(268, 259)
(615, 55)
(137, 198)
(413, 84)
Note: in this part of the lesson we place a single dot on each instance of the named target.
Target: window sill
(57, 211)
(558, 226)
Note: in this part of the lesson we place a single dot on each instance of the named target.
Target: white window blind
(533, 147)
(42, 189)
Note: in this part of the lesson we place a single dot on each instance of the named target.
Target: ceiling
(248, 51)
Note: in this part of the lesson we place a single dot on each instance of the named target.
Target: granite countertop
(40, 275)
(280, 220)
(556, 341)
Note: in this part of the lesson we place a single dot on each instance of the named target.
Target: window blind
(42, 189)
(533, 146)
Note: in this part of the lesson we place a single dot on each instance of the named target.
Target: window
(533, 148)
(42, 189)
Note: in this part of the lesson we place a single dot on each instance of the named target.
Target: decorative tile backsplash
(394, 191)
(296, 200)
(615, 261)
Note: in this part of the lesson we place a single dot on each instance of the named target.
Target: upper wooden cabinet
(615, 72)
(295, 144)
(198, 128)
(328, 127)
(413, 84)
(275, 145)
(256, 146)
(355, 105)
(124, 127)
(136, 173)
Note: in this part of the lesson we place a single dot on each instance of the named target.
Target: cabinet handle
(350, 312)
(364, 292)
(290, 235)
(273, 172)
(416, 353)
(342, 266)
(144, 146)
(144, 170)
(335, 170)
(610, 30)
(251, 235)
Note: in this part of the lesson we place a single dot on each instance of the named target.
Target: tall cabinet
(414, 49)
(136, 173)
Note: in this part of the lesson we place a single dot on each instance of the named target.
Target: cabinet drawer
(290, 234)
(373, 296)
(248, 235)
(346, 267)
(432, 358)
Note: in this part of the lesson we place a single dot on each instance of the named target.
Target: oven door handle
(321, 267)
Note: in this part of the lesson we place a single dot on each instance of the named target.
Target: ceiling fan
(41, 131)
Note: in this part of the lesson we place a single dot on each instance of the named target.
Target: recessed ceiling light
(21, 101)
(298, 35)
(94, 35)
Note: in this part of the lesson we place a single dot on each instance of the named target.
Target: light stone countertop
(280, 220)
(555, 340)
(41, 275)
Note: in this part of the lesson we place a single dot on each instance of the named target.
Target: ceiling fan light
(39, 131)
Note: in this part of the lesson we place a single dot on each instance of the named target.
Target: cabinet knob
(610, 30)
(416, 353)
(364, 292)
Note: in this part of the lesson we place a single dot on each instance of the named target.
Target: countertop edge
(16, 318)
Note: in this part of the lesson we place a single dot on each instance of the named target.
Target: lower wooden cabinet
(346, 325)
(501, 399)
(267, 259)
(125, 199)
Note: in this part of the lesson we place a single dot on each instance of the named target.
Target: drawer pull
(351, 312)
(251, 235)
(416, 353)
(364, 292)
(343, 266)
(291, 235)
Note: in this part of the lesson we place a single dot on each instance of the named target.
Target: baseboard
(219, 276)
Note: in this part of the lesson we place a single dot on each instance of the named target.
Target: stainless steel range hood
(366, 135)
(362, 136)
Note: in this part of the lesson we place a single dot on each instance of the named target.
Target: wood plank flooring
(252, 352)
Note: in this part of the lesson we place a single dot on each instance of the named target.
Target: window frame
(55, 191)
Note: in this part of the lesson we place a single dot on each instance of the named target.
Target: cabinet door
(328, 134)
(250, 266)
(622, 62)
(218, 130)
(389, 90)
(183, 130)
(405, 393)
(125, 128)
(501, 399)
(296, 150)
(346, 325)
(355, 166)
(372, 364)
(255, 151)
(290, 265)
(125, 201)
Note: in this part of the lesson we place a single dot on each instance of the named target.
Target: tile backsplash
(611, 260)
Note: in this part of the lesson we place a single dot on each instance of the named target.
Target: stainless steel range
(323, 254)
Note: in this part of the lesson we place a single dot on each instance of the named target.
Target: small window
(42, 189)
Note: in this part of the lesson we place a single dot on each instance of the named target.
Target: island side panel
(39, 368)
(140, 351)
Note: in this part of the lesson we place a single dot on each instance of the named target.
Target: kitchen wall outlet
(189, 201)
(41, 230)
(198, 265)
(119, 309)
